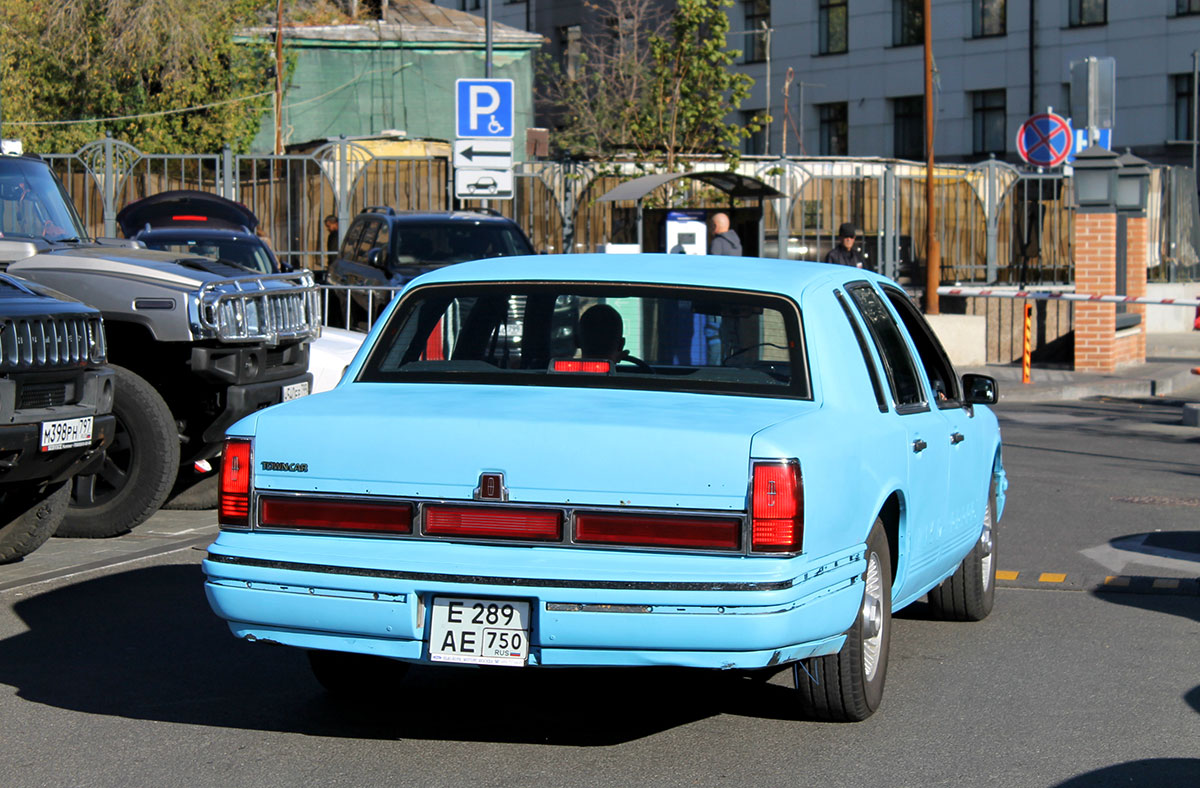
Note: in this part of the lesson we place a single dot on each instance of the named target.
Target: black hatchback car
(387, 248)
(200, 223)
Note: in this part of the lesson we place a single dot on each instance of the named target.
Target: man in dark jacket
(725, 241)
(846, 253)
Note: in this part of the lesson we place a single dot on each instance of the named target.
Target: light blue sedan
(600, 460)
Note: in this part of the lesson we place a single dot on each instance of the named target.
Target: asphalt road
(117, 674)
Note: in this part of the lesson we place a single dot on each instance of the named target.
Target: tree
(128, 67)
(599, 88)
(692, 88)
(652, 84)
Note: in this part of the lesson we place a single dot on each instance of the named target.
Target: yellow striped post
(1027, 350)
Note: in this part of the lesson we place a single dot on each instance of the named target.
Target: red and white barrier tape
(1043, 295)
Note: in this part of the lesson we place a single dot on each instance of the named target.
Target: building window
(834, 140)
(758, 19)
(1088, 12)
(570, 39)
(1185, 7)
(1183, 106)
(833, 26)
(908, 127)
(470, 5)
(987, 116)
(756, 143)
(908, 22)
(988, 18)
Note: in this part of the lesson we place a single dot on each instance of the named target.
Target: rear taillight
(335, 515)
(188, 217)
(493, 523)
(777, 507)
(655, 531)
(233, 494)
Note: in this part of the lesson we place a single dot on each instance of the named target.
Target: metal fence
(998, 224)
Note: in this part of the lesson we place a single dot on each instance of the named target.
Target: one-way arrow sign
(491, 154)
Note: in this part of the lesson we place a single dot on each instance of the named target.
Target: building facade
(857, 65)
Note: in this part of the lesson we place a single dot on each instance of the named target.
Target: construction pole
(933, 252)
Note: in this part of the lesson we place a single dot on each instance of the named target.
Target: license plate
(295, 391)
(479, 631)
(66, 434)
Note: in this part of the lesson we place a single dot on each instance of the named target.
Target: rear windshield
(443, 243)
(630, 336)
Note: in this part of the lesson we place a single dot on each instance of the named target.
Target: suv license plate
(479, 631)
(66, 434)
(295, 391)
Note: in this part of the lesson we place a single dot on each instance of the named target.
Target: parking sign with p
(484, 108)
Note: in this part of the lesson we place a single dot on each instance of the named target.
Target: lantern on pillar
(1096, 180)
(1133, 182)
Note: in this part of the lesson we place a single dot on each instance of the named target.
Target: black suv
(387, 248)
(56, 397)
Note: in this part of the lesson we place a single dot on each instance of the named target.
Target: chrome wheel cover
(872, 617)
(986, 548)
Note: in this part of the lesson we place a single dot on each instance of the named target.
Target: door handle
(957, 438)
(919, 446)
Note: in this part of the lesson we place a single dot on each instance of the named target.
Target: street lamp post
(933, 252)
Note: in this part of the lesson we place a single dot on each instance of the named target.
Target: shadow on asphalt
(1159, 772)
(144, 645)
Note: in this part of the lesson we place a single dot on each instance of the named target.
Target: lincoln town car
(611, 461)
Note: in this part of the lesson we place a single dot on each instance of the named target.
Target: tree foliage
(99, 60)
(658, 86)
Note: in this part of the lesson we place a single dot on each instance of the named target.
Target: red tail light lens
(233, 488)
(581, 365)
(651, 531)
(334, 515)
(493, 523)
(188, 217)
(777, 507)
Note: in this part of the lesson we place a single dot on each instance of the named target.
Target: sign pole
(933, 255)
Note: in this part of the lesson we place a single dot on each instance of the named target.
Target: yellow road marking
(1116, 580)
(1004, 574)
(1051, 577)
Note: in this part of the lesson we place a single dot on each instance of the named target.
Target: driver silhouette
(601, 333)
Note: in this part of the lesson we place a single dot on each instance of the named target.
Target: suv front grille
(262, 309)
(42, 395)
(41, 342)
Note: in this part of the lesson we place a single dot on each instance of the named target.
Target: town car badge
(290, 467)
(491, 487)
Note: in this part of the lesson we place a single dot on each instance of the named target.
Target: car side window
(350, 242)
(367, 241)
(888, 337)
(876, 383)
(933, 357)
(381, 242)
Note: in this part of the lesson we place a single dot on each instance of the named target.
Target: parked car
(198, 343)
(198, 223)
(732, 464)
(56, 396)
(388, 248)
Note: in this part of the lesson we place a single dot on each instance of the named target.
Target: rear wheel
(355, 676)
(848, 686)
(138, 468)
(969, 593)
(33, 512)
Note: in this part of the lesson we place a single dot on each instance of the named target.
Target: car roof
(757, 274)
(439, 216)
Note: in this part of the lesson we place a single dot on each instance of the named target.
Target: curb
(1103, 584)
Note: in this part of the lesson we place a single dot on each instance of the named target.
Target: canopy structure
(735, 185)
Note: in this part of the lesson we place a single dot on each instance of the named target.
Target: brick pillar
(1131, 348)
(1096, 274)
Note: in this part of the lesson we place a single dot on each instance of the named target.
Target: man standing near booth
(845, 252)
(725, 241)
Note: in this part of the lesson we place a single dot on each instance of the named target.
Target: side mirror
(374, 255)
(980, 390)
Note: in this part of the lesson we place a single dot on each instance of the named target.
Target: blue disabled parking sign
(484, 108)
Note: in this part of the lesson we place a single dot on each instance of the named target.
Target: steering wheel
(642, 366)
